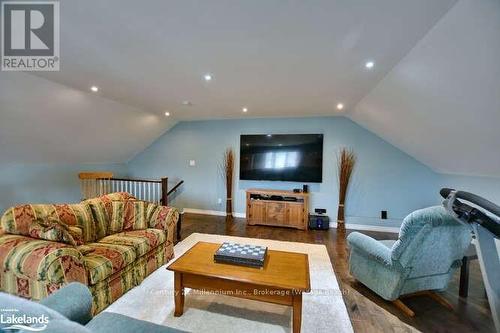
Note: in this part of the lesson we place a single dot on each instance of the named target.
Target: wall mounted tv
(285, 157)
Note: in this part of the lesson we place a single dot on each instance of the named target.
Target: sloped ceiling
(433, 92)
(441, 103)
(45, 122)
(276, 57)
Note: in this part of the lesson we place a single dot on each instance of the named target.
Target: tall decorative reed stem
(345, 164)
(228, 173)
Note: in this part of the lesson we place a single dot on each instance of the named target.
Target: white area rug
(323, 309)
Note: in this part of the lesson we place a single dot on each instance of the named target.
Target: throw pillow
(127, 215)
(53, 230)
(101, 208)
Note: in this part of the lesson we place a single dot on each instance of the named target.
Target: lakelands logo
(19, 321)
(30, 36)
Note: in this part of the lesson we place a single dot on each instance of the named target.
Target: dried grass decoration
(345, 164)
(227, 169)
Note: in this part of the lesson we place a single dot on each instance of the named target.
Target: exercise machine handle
(470, 214)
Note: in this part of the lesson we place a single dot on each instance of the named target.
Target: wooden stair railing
(174, 189)
(95, 184)
(143, 189)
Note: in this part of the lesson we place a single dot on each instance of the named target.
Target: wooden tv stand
(263, 209)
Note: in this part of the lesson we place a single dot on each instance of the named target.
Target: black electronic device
(319, 222)
(284, 157)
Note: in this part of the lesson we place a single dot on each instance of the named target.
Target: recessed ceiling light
(340, 106)
(94, 88)
(208, 77)
(369, 64)
(167, 114)
(244, 110)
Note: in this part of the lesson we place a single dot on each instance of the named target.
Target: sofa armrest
(165, 218)
(40, 260)
(74, 301)
(370, 247)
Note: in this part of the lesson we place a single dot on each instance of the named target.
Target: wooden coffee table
(282, 280)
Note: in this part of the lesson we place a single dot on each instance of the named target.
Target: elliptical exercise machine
(484, 220)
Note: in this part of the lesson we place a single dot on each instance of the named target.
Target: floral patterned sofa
(110, 243)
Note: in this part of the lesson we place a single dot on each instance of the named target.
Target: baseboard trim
(350, 226)
(210, 212)
(366, 227)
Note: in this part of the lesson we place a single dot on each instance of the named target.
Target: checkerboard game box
(241, 254)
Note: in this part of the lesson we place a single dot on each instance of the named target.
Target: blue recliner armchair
(429, 249)
(68, 310)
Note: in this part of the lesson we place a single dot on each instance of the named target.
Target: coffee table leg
(297, 312)
(179, 294)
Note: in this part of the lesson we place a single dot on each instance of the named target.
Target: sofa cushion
(127, 215)
(41, 260)
(78, 217)
(107, 259)
(85, 249)
(73, 301)
(143, 241)
(102, 209)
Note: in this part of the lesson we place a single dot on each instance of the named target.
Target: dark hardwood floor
(368, 312)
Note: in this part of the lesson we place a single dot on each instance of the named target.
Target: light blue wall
(385, 178)
(487, 187)
(23, 183)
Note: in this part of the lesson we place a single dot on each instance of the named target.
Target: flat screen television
(284, 157)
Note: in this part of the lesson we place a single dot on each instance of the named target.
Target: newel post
(164, 191)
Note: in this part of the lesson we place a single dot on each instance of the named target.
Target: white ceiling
(436, 78)
(45, 122)
(441, 103)
(277, 57)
